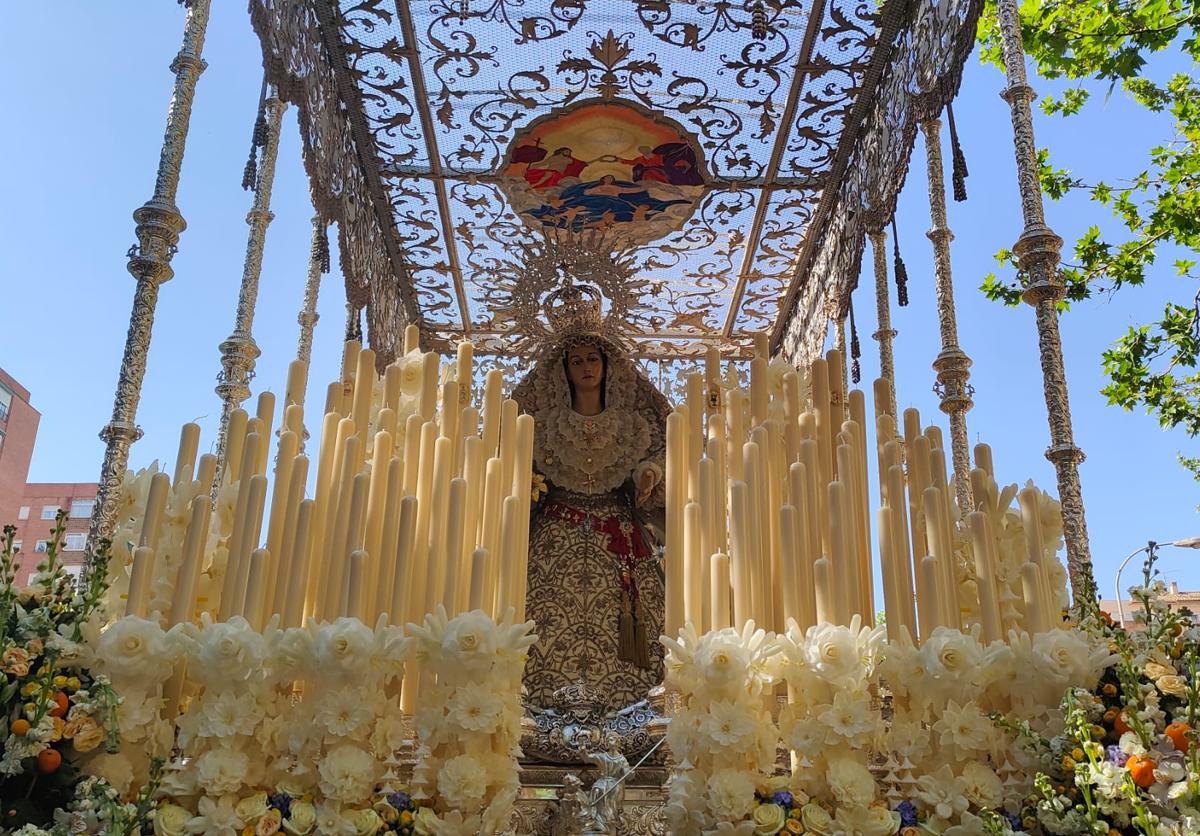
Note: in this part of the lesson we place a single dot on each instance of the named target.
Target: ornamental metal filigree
(410, 112)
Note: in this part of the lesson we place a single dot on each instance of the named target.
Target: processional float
(774, 529)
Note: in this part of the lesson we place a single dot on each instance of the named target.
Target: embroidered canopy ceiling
(733, 154)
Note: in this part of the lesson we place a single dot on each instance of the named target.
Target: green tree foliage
(1106, 44)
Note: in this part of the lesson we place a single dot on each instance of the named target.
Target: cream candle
(206, 470)
(456, 584)
(719, 588)
(140, 579)
(693, 586)
(929, 604)
(438, 509)
(156, 504)
(429, 386)
(281, 568)
(740, 557)
(297, 578)
(297, 382)
(364, 380)
(478, 568)
(185, 459)
(823, 590)
(255, 577)
(386, 563)
(981, 544)
(356, 572)
(412, 338)
(235, 439)
(676, 498)
(340, 584)
(406, 602)
(196, 536)
(285, 460)
(376, 506)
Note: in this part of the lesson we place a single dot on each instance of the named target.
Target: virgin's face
(585, 367)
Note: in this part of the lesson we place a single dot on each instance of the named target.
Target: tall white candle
(989, 610)
(297, 580)
(194, 540)
(255, 576)
(185, 460)
(140, 579)
(156, 504)
(279, 583)
(693, 587)
(719, 589)
(740, 558)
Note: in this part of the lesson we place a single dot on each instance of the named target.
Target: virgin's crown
(574, 309)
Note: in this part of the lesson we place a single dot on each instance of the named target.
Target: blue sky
(80, 152)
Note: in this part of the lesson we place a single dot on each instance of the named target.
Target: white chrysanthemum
(849, 719)
(228, 714)
(216, 818)
(331, 821)
(730, 794)
(942, 793)
(475, 707)
(867, 821)
(462, 783)
(963, 726)
(222, 770)
(455, 824)
(982, 786)
(345, 712)
(347, 774)
(390, 733)
(721, 661)
(730, 725)
(134, 652)
(851, 783)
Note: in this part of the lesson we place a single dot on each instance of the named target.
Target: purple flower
(908, 813)
(400, 801)
(1113, 753)
(783, 799)
(281, 801)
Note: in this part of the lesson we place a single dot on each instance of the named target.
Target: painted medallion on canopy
(603, 165)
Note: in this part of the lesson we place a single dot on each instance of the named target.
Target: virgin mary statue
(595, 580)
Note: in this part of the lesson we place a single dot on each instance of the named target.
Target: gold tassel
(626, 648)
(641, 644)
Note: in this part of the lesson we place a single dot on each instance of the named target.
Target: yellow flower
(405, 818)
(269, 824)
(1172, 685)
(1068, 764)
(794, 825)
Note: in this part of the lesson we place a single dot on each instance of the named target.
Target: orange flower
(1141, 769)
(1177, 731)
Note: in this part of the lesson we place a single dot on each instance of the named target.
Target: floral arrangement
(469, 719)
(58, 716)
(1125, 760)
(722, 737)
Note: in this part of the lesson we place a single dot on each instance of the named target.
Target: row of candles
(769, 515)
(403, 518)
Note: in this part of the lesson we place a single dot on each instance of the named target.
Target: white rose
(831, 651)
(769, 819)
(730, 794)
(302, 818)
(171, 820)
(411, 372)
(345, 646)
(366, 822)
(134, 650)
(1061, 655)
(228, 652)
(347, 774)
(816, 819)
(462, 782)
(951, 656)
(850, 782)
(469, 644)
(252, 807)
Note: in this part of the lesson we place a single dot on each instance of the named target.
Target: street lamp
(1186, 543)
